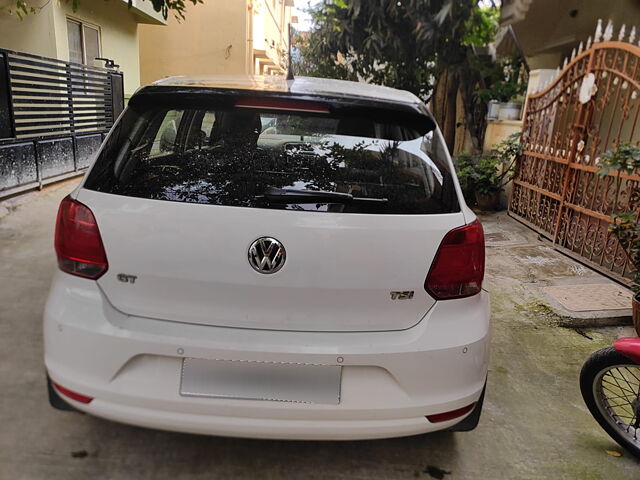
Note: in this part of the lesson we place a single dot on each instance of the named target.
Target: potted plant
(625, 226)
(488, 182)
(483, 177)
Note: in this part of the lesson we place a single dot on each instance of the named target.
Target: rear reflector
(458, 268)
(443, 417)
(72, 395)
(77, 241)
(282, 104)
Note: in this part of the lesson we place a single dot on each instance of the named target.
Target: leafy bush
(504, 79)
(465, 165)
(488, 173)
(625, 225)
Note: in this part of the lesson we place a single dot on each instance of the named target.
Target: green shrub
(625, 226)
(488, 173)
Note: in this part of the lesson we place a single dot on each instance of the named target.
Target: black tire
(598, 371)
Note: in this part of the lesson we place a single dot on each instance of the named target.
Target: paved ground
(535, 425)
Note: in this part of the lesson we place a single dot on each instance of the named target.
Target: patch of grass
(538, 310)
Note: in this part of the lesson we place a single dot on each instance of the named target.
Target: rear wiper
(295, 195)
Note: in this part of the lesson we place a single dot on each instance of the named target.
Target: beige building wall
(270, 36)
(499, 130)
(33, 35)
(45, 32)
(212, 39)
(217, 37)
(118, 32)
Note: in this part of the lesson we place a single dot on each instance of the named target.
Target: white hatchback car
(257, 257)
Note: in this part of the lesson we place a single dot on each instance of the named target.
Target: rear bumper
(266, 428)
(390, 380)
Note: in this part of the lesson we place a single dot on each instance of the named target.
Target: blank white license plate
(285, 382)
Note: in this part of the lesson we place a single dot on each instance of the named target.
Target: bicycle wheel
(610, 385)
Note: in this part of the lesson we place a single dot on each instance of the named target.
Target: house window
(84, 42)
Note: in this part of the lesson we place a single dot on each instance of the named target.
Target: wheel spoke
(616, 384)
(633, 374)
(616, 380)
(625, 391)
(615, 394)
(622, 407)
(617, 401)
(623, 399)
(631, 422)
(627, 416)
(631, 384)
(621, 377)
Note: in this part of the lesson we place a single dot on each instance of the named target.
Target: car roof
(299, 85)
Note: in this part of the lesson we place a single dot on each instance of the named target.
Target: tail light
(282, 104)
(458, 268)
(78, 397)
(443, 417)
(77, 241)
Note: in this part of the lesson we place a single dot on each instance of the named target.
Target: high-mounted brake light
(78, 397)
(77, 241)
(458, 268)
(282, 104)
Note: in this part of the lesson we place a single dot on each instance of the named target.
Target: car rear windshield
(289, 156)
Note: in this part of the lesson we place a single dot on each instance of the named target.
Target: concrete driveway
(534, 425)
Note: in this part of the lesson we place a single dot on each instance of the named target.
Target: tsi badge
(123, 277)
(405, 295)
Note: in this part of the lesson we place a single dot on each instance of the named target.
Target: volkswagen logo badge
(267, 255)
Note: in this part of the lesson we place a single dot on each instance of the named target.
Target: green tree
(306, 62)
(389, 42)
(21, 8)
(425, 46)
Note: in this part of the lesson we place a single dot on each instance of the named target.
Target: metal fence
(591, 107)
(53, 117)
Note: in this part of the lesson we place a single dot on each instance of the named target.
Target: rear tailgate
(191, 265)
(180, 193)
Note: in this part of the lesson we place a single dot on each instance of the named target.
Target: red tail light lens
(77, 241)
(78, 397)
(458, 268)
(443, 417)
(282, 104)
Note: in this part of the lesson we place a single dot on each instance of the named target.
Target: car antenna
(290, 60)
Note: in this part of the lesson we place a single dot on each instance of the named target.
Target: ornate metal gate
(591, 106)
